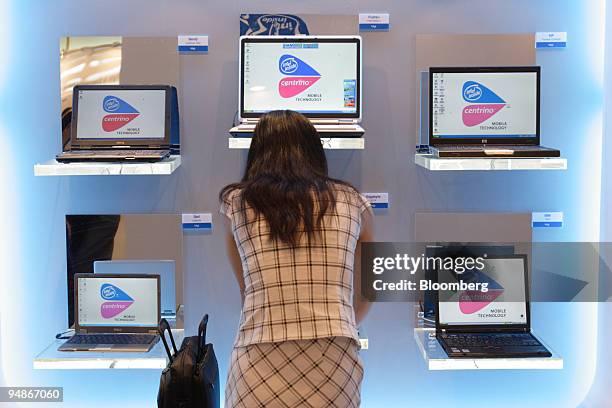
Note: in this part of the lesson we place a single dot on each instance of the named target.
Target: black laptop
(119, 123)
(485, 112)
(494, 323)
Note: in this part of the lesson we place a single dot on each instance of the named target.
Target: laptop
(115, 313)
(485, 112)
(120, 123)
(164, 268)
(491, 324)
(318, 76)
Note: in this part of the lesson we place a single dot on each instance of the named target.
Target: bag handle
(163, 327)
(202, 330)
(202, 336)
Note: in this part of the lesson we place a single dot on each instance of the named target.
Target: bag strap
(202, 336)
(163, 327)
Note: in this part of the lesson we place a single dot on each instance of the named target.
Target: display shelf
(436, 358)
(335, 143)
(52, 359)
(54, 168)
(433, 163)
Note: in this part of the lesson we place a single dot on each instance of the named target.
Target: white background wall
(32, 290)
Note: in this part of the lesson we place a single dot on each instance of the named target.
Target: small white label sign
(197, 221)
(193, 44)
(556, 39)
(547, 219)
(378, 200)
(374, 22)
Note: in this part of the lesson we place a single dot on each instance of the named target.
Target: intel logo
(111, 104)
(288, 65)
(108, 292)
(472, 93)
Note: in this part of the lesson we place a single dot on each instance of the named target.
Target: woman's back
(301, 291)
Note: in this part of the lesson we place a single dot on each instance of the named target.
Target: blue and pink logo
(483, 103)
(117, 301)
(120, 113)
(472, 301)
(300, 76)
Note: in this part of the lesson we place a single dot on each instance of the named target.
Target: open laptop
(318, 76)
(485, 112)
(119, 123)
(164, 268)
(491, 324)
(115, 313)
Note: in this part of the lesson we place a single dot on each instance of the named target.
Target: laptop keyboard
(489, 339)
(112, 339)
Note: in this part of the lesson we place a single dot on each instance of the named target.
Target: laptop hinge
(121, 147)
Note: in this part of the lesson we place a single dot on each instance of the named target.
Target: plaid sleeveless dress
(297, 343)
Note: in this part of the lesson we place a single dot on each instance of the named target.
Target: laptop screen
(121, 114)
(164, 268)
(117, 301)
(503, 303)
(485, 104)
(319, 77)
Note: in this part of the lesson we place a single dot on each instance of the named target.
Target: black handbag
(191, 379)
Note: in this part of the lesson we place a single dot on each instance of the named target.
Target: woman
(292, 237)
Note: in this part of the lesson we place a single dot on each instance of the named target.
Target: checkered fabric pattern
(307, 373)
(300, 292)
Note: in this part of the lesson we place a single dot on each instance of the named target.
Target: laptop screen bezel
(110, 328)
(471, 328)
(88, 143)
(529, 141)
(301, 39)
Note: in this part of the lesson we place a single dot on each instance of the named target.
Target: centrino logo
(483, 103)
(116, 300)
(301, 76)
(111, 104)
(289, 65)
(108, 292)
(120, 113)
(472, 93)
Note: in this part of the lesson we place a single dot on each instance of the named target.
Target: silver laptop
(164, 268)
(318, 76)
(115, 313)
(119, 123)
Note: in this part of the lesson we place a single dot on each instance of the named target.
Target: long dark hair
(286, 177)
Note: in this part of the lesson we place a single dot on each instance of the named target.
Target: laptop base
(324, 130)
(493, 151)
(492, 345)
(112, 156)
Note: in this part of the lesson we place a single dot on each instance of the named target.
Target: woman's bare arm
(234, 257)
(360, 303)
